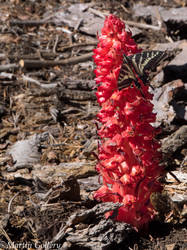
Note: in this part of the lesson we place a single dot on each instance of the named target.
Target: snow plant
(128, 157)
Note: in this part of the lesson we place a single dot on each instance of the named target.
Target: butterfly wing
(147, 61)
(126, 75)
(139, 64)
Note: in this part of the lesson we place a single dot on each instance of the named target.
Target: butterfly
(139, 66)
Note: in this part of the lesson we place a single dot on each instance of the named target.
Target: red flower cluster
(128, 152)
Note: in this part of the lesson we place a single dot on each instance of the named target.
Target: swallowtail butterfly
(138, 66)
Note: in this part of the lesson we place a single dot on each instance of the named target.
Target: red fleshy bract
(129, 161)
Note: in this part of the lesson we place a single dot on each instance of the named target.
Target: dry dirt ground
(47, 124)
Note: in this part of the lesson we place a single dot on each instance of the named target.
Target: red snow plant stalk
(128, 152)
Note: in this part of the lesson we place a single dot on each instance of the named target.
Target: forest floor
(48, 134)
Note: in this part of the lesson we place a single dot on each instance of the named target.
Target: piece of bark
(26, 152)
(105, 235)
(100, 234)
(69, 190)
(175, 141)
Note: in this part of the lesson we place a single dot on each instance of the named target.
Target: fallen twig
(43, 53)
(131, 23)
(174, 176)
(28, 22)
(31, 80)
(11, 200)
(98, 13)
(142, 25)
(33, 64)
(8, 67)
(79, 45)
(55, 45)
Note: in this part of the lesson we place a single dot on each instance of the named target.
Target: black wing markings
(138, 66)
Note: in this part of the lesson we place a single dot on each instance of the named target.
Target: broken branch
(33, 64)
